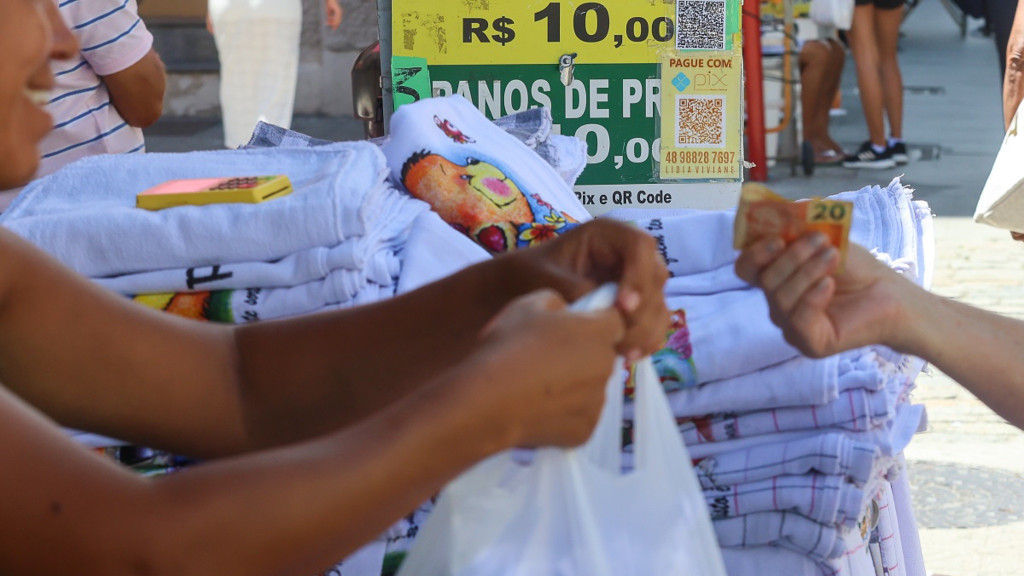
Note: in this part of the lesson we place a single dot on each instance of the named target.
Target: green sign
(596, 65)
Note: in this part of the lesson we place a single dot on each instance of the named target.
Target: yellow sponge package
(201, 191)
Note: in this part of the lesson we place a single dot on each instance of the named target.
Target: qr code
(700, 24)
(700, 122)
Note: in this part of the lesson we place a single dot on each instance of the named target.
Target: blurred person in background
(821, 68)
(874, 36)
(105, 94)
(258, 45)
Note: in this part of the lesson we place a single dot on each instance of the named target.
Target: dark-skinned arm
(94, 361)
(298, 509)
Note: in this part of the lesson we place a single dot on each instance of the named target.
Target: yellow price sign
(612, 31)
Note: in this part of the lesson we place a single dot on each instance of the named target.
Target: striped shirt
(111, 38)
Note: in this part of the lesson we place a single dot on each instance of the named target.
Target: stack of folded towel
(336, 241)
(797, 456)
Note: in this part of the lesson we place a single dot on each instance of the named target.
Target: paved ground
(967, 470)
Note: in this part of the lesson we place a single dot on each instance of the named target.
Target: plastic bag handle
(655, 432)
(604, 446)
(653, 423)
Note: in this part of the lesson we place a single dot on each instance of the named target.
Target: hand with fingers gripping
(821, 312)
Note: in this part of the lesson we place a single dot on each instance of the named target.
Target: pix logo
(681, 82)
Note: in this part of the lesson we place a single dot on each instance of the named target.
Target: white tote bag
(574, 512)
(1002, 200)
(832, 13)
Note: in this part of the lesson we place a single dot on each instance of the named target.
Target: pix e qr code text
(700, 122)
(700, 24)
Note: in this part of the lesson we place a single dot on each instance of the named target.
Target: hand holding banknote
(762, 214)
(796, 262)
(823, 313)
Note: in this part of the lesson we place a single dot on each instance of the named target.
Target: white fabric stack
(796, 456)
(336, 241)
(799, 458)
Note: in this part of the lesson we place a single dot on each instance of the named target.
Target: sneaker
(899, 153)
(866, 157)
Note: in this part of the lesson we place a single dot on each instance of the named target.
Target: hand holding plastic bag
(573, 512)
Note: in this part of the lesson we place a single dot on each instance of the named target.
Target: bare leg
(887, 26)
(864, 45)
(821, 66)
(813, 64)
(830, 86)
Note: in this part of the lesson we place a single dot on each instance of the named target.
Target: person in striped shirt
(106, 94)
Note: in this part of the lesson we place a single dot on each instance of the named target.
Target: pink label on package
(178, 186)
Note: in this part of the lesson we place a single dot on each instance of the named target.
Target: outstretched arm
(536, 378)
(823, 313)
(93, 361)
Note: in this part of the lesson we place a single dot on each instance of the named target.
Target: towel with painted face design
(479, 179)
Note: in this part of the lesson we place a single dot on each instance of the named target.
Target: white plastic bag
(833, 13)
(1002, 200)
(573, 512)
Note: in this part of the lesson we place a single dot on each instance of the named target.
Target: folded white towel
(925, 246)
(85, 214)
(833, 454)
(382, 267)
(800, 381)
(761, 560)
(884, 219)
(339, 288)
(890, 439)
(691, 241)
(719, 336)
(771, 387)
(766, 388)
(855, 410)
(730, 334)
(373, 254)
(830, 500)
(433, 251)
(787, 530)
